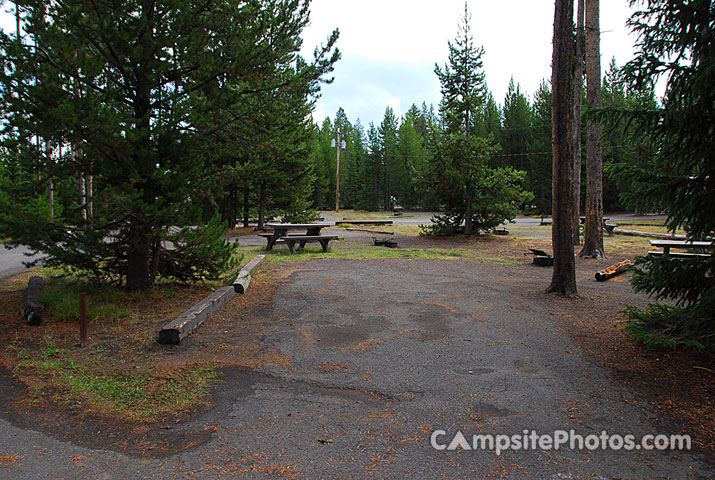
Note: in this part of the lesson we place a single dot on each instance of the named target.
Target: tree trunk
(51, 196)
(564, 275)
(469, 213)
(138, 258)
(593, 237)
(89, 191)
(262, 206)
(245, 207)
(577, 101)
(83, 199)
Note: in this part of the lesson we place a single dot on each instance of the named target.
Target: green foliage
(197, 253)
(165, 105)
(305, 216)
(470, 191)
(675, 40)
(672, 327)
(104, 303)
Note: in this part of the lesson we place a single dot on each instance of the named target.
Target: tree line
(393, 163)
(131, 129)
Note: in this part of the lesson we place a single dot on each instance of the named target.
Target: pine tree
(516, 131)
(387, 132)
(564, 274)
(461, 159)
(141, 90)
(676, 42)
(593, 235)
(540, 155)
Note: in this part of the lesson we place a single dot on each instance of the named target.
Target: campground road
(11, 260)
(381, 354)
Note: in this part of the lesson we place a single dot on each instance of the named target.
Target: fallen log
(384, 242)
(613, 270)
(369, 231)
(244, 276)
(32, 311)
(364, 222)
(636, 233)
(175, 331)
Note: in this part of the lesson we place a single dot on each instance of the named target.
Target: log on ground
(32, 311)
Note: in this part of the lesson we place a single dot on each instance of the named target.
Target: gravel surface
(381, 354)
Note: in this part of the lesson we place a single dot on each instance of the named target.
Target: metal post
(83, 319)
(337, 177)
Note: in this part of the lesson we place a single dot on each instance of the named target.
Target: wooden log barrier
(32, 311)
(175, 331)
(613, 270)
(244, 276)
(636, 233)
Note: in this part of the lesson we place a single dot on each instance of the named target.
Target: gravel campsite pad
(341, 368)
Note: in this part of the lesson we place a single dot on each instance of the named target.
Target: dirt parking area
(343, 368)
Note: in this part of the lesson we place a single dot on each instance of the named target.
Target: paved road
(423, 218)
(384, 352)
(11, 260)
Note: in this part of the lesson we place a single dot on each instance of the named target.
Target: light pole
(340, 145)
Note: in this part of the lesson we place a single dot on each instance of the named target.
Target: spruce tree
(675, 41)
(140, 91)
(470, 192)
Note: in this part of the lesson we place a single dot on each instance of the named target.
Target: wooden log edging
(32, 311)
(368, 231)
(240, 285)
(636, 233)
(613, 270)
(176, 330)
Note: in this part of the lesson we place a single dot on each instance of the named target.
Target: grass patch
(61, 299)
(143, 396)
(122, 372)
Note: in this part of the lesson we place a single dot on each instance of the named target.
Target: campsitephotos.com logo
(559, 439)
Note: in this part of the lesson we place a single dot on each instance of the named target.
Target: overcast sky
(389, 48)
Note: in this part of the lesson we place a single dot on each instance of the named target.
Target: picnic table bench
(281, 232)
(666, 245)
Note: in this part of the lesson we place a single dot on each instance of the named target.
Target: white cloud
(390, 47)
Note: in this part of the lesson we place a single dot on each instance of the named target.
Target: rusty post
(83, 319)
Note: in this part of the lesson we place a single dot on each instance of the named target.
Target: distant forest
(392, 164)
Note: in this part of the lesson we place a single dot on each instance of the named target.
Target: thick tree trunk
(138, 258)
(593, 237)
(577, 101)
(564, 275)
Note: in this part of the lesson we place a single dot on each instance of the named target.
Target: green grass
(61, 298)
(365, 251)
(139, 396)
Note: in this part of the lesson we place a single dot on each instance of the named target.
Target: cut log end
(613, 270)
(32, 311)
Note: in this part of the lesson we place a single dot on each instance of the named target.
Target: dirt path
(362, 360)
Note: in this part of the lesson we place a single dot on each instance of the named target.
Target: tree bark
(262, 206)
(563, 70)
(245, 207)
(468, 213)
(138, 277)
(593, 237)
(577, 101)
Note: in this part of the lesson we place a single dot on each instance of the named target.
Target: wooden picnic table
(666, 245)
(280, 230)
